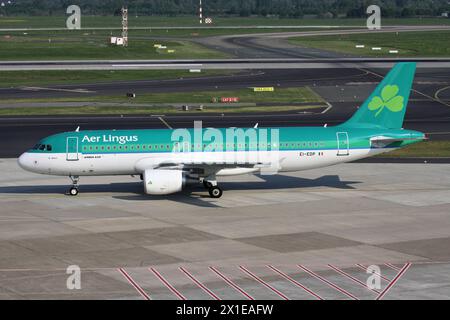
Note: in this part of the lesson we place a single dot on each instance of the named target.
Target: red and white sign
(229, 99)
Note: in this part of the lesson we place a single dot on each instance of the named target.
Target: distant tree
(282, 8)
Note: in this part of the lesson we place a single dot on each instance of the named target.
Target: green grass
(43, 78)
(65, 45)
(409, 44)
(288, 96)
(280, 95)
(93, 44)
(58, 21)
(111, 110)
(148, 34)
(424, 149)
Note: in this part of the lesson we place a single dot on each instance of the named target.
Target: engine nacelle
(163, 182)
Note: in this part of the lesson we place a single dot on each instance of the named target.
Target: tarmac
(318, 230)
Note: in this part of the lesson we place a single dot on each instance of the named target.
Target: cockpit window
(49, 147)
(36, 147)
(42, 147)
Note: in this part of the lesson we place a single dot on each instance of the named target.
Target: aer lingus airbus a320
(166, 163)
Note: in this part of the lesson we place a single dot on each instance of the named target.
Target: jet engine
(163, 182)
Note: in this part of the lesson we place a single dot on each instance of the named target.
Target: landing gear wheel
(73, 191)
(215, 192)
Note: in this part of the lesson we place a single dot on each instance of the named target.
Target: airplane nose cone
(25, 161)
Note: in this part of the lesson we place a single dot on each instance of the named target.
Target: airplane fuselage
(96, 153)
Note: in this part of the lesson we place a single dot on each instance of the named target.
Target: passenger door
(343, 144)
(72, 149)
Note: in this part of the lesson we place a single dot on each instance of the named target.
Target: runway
(20, 134)
(348, 217)
(344, 89)
(274, 63)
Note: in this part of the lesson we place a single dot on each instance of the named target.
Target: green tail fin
(386, 106)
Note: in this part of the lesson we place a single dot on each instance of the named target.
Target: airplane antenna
(78, 129)
(256, 126)
(326, 125)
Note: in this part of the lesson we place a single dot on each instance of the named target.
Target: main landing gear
(74, 190)
(213, 189)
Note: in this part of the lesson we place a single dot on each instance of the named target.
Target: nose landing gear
(74, 190)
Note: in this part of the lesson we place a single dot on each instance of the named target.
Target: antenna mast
(125, 26)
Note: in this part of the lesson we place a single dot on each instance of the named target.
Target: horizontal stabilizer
(383, 141)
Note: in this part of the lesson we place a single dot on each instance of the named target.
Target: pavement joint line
(265, 284)
(345, 274)
(394, 281)
(134, 284)
(231, 283)
(198, 283)
(167, 284)
(329, 283)
(295, 282)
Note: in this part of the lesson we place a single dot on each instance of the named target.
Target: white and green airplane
(167, 160)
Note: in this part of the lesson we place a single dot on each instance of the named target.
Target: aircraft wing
(197, 164)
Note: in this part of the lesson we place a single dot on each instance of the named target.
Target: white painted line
(360, 46)
(345, 274)
(328, 108)
(165, 123)
(394, 281)
(134, 284)
(315, 275)
(298, 284)
(199, 284)
(393, 51)
(56, 89)
(376, 48)
(155, 65)
(167, 284)
(231, 283)
(268, 286)
(362, 267)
